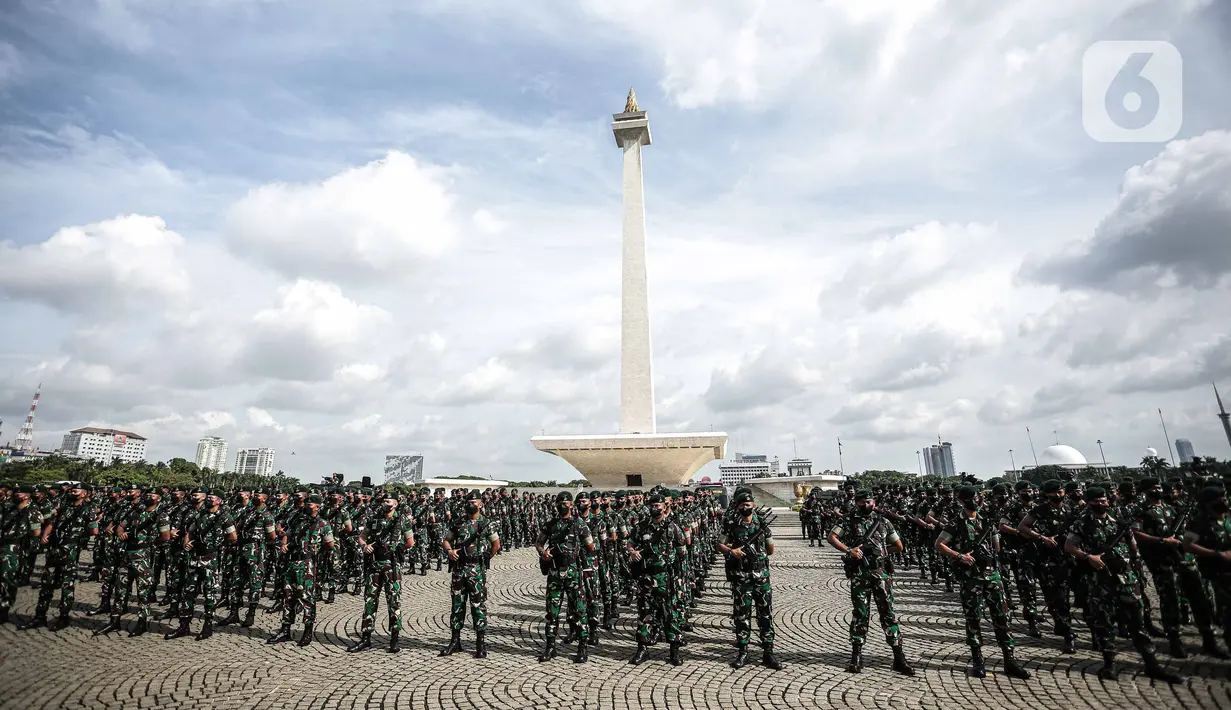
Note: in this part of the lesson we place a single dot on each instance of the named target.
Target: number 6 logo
(1132, 92)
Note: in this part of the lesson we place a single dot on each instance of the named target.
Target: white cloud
(381, 220)
(262, 419)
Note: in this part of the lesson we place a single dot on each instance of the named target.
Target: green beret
(1071, 487)
(474, 495)
(1001, 489)
(30, 490)
(1174, 483)
(966, 492)
(1148, 484)
(1095, 492)
(1021, 485)
(863, 494)
(1209, 494)
(656, 498)
(1052, 486)
(743, 497)
(201, 489)
(315, 498)
(1126, 486)
(564, 496)
(582, 495)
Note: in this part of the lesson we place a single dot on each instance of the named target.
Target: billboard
(404, 468)
(120, 441)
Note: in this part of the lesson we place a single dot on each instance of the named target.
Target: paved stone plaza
(235, 669)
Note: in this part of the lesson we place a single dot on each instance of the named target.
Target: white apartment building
(104, 445)
(745, 466)
(259, 461)
(212, 453)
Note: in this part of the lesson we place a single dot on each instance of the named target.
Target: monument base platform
(636, 460)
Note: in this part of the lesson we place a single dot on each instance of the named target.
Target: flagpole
(1166, 436)
(841, 468)
(1031, 438)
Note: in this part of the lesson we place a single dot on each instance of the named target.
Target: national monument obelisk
(638, 455)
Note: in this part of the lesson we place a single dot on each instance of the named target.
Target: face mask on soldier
(472, 508)
(746, 511)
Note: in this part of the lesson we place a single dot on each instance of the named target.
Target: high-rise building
(938, 460)
(404, 468)
(1184, 450)
(799, 467)
(212, 453)
(106, 445)
(259, 461)
(746, 466)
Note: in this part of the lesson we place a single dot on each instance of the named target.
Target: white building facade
(255, 461)
(212, 453)
(106, 445)
(746, 466)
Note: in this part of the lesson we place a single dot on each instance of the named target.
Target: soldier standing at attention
(379, 540)
(653, 548)
(1096, 539)
(20, 522)
(304, 536)
(971, 543)
(138, 532)
(65, 532)
(591, 560)
(1045, 525)
(470, 543)
(256, 528)
(203, 541)
(747, 542)
(560, 543)
(865, 537)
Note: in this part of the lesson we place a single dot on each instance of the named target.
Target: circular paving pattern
(236, 669)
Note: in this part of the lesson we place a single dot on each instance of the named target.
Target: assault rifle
(853, 565)
(1179, 525)
(1115, 565)
(736, 564)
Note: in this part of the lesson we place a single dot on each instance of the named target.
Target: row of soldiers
(1008, 547)
(308, 544)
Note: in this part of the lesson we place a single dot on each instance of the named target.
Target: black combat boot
(1032, 628)
(1209, 644)
(4, 616)
(769, 660)
(1152, 630)
(977, 669)
(899, 662)
(437, 564)
(112, 625)
(569, 637)
(741, 657)
(104, 607)
(1175, 646)
(207, 629)
(1156, 671)
(423, 570)
(307, 635)
(1108, 671)
(39, 619)
(283, 635)
(455, 644)
(592, 638)
(61, 622)
(250, 617)
(480, 644)
(139, 630)
(232, 618)
(549, 651)
(173, 612)
(363, 644)
(639, 656)
(1011, 667)
(329, 599)
(394, 646)
(1070, 644)
(181, 631)
(583, 653)
(674, 658)
(856, 663)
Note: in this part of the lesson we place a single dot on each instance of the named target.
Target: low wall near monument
(787, 490)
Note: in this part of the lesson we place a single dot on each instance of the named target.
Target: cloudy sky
(353, 229)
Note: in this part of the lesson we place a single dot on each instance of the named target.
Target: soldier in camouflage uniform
(1014, 550)
(654, 546)
(1045, 526)
(20, 522)
(255, 527)
(379, 539)
(109, 551)
(1208, 539)
(209, 530)
(747, 542)
(591, 563)
(138, 531)
(177, 556)
(865, 537)
(1104, 544)
(65, 533)
(330, 573)
(305, 538)
(562, 542)
(971, 544)
(470, 543)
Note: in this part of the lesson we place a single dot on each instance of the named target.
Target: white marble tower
(632, 132)
(637, 456)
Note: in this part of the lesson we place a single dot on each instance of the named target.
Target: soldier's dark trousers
(1111, 597)
(468, 588)
(386, 577)
(875, 584)
(749, 591)
(561, 585)
(60, 572)
(980, 590)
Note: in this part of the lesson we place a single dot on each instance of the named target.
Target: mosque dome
(1061, 455)
(1151, 451)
